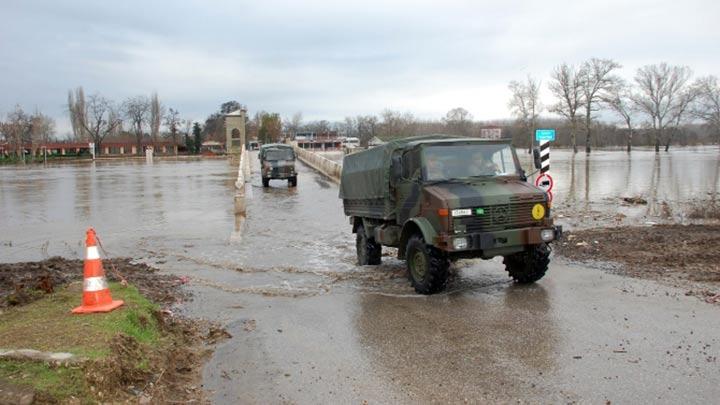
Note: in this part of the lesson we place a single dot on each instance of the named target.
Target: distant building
(318, 140)
(212, 148)
(491, 132)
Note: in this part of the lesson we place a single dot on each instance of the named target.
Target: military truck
(277, 161)
(440, 198)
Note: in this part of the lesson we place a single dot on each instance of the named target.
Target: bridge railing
(322, 164)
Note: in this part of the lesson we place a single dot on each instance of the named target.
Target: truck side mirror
(536, 158)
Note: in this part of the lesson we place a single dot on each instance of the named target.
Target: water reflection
(679, 176)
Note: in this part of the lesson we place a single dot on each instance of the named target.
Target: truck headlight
(460, 243)
(461, 212)
(547, 235)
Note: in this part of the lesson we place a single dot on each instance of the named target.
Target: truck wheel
(427, 267)
(266, 182)
(528, 266)
(368, 251)
(292, 181)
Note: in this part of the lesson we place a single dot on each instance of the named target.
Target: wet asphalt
(309, 326)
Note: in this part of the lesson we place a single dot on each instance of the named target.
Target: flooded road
(309, 326)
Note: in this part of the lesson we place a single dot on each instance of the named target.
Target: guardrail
(242, 177)
(323, 165)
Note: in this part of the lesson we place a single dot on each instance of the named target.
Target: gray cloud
(331, 59)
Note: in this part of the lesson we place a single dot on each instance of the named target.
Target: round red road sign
(544, 182)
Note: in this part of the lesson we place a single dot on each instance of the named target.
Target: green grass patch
(60, 382)
(48, 325)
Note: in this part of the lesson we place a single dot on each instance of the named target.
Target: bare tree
(659, 90)
(619, 100)
(707, 107)
(566, 87)
(294, 124)
(595, 78)
(101, 120)
(525, 105)
(173, 122)
(42, 128)
(397, 125)
(156, 114)
(366, 128)
(17, 128)
(78, 113)
(137, 111)
(187, 127)
(682, 111)
(349, 127)
(459, 121)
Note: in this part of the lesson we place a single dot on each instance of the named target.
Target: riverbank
(684, 256)
(139, 352)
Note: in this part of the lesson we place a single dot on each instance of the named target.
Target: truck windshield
(279, 154)
(445, 162)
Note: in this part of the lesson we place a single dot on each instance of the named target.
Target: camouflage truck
(277, 161)
(440, 198)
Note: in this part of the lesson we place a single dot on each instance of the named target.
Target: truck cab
(441, 198)
(277, 161)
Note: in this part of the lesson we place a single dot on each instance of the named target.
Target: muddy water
(309, 326)
(133, 206)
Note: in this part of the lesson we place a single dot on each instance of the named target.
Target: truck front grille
(500, 217)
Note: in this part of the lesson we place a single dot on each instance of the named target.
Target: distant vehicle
(351, 142)
(252, 145)
(277, 161)
(439, 198)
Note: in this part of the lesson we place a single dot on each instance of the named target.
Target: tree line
(660, 100)
(97, 119)
(22, 128)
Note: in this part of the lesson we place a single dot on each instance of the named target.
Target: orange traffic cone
(96, 294)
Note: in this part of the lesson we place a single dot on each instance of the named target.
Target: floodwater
(309, 326)
(679, 176)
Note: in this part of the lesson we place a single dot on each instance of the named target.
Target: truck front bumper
(278, 174)
(510, 239)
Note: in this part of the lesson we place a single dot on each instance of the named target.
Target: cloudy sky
(330, 59)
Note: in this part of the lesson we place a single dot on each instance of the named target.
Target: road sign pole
(544, 156)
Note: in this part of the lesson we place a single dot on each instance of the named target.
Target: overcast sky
(330, 59)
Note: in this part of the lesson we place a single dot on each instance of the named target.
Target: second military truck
(440, 198)
(277, 161)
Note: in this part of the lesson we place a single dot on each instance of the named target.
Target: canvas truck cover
(277, 146)
(365, 178)
(365, 175)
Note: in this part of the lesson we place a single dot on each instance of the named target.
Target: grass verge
(48, 325)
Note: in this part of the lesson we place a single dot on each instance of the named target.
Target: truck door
(408, 187)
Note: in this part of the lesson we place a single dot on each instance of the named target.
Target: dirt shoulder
(687, 256)
(21, 283)
(139, 352)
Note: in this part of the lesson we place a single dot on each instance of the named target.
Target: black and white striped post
(544, 156)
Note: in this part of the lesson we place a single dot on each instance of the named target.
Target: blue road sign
(544, 135)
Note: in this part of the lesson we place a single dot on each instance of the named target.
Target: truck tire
(427, 267)
(292, 181)
(528, 266)
(368, 251)
(266, 182)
